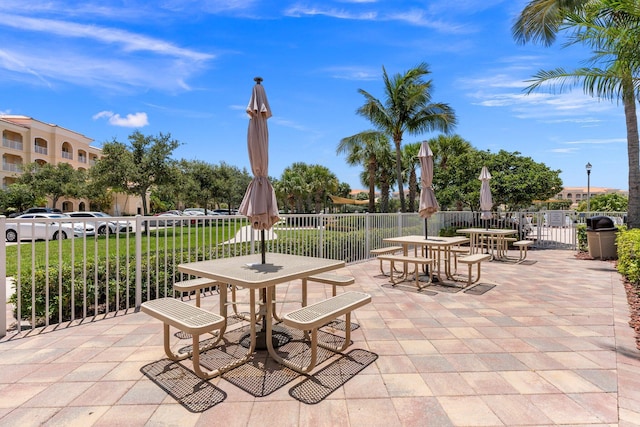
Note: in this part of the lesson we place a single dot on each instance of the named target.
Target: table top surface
(429, 241)
(494, 231)
(248, 271)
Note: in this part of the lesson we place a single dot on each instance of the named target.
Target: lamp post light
(588, 167)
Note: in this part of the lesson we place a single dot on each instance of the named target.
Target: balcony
(13, 144)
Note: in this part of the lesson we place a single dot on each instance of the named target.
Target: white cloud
(353, 73)
(136, 120)
(598, 141)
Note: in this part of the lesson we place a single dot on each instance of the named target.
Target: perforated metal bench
(470, 260)
(334, 280)
(191, 320)
(389, 250)
(523, 245)
(313, 316)
(416, 261)
(197, 285)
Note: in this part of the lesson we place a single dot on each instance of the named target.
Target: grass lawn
(54, 252)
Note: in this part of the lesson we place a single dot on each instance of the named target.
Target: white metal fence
(93, 276)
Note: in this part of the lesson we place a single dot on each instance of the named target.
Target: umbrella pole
(426, 250)
(262, 246)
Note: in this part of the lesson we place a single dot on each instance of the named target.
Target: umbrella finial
(258, 80)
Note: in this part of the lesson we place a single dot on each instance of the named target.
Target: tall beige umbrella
(428, 203)
(486, 201)
(259, 204)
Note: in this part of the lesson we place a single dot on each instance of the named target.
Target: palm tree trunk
(372, 184)
(399, 174)
(633, 151)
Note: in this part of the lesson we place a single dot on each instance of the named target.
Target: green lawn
(156, 240)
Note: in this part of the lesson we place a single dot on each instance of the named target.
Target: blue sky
(186, 67)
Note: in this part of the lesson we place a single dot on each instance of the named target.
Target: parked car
(38, 209)
(106, 222)
(167, 219)
(34, 227)
(199, 211)
(226, 211)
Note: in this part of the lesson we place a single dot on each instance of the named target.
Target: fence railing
(97, 275)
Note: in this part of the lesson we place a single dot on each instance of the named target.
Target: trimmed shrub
(628, 242)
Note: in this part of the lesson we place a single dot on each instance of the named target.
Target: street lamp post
(588, 167)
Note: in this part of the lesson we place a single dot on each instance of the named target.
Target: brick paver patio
(541, 343)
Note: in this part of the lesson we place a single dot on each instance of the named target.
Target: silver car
(45, 226)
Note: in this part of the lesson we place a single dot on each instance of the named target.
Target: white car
(45, 226)
(104, 222)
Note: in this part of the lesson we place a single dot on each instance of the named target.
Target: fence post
(3, 276)
(321, 233)
(138, 243)
(367, 228)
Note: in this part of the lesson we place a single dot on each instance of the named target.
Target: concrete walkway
(541, 343)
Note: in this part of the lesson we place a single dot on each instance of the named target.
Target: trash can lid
(600, 223)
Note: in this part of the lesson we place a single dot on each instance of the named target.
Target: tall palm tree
(364, 148)
(410, 163)
(610, 29)
(406, 108)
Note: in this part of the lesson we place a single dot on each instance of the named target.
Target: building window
(40, 146)
(66, 151)
(11, 140)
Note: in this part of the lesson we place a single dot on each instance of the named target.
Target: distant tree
(605, 203)
(293, 187)
(410, 163)
(516, 181)
(230, 184)
(322, 183)
(407, 107)
(364, 148)
(138, 167)
(54, 181)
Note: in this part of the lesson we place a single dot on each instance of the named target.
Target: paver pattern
(547, 342)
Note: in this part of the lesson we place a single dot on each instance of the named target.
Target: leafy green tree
(138, 167)
(230, 184)
(293, 187)
(611, 29)
(322, 183)
(407, 107)
(452, 175)
(517, 181)
(410, 163)
(605, 203)
(364, 148)
(18, 197)
(54, 181)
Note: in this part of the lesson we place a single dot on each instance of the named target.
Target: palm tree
(540, 20)
(364, 148)
(407, 108)
(410, 162)
(610, 29)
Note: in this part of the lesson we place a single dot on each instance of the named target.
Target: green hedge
(107, 285)
(628, 242)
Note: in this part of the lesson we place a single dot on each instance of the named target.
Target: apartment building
(26, 140)
(579, 194)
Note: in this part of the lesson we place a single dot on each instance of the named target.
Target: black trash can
(601, 237)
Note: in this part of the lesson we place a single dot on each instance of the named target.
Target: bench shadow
(189, 390)
(479, 289)
(262, 375)
(317, 387)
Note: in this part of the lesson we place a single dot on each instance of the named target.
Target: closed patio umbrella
(428, 203)
(486, 201)
(259, 204)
